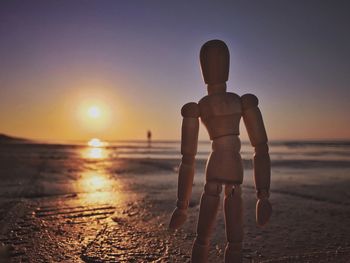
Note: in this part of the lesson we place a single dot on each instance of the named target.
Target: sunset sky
(73, 70)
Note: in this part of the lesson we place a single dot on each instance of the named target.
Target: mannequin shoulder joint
(190, 110)
(249, 101)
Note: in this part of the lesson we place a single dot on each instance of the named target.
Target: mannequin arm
(189, 141)
(262, 168)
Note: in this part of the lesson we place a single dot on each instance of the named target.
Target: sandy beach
(56, 205)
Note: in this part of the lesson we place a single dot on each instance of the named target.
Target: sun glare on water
(96, 143)
(96, 149)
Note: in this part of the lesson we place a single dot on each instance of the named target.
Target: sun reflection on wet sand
(97, 185)
(95, 182)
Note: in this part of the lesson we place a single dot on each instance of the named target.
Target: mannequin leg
(233, 209)
(208, 209)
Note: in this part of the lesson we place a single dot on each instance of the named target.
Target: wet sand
(76, 210)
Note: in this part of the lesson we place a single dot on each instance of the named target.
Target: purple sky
(140, 60)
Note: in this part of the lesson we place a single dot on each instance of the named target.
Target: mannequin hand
(178, 218)
(263, 211)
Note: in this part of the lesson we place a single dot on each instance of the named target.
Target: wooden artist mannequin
(220, 112)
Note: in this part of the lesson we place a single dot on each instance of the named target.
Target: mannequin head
(215, 62)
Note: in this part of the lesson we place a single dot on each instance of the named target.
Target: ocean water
(279, 150)
(312, 170)
(283, 153)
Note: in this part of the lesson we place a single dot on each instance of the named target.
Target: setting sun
(93, 115)
(94, 112)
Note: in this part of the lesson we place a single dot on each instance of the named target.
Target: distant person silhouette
(149, 138)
